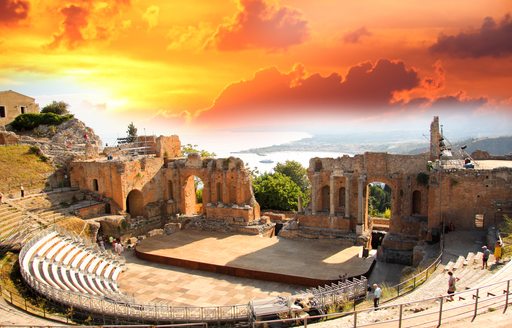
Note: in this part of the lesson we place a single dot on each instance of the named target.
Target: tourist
(119, 248)
(111, 241)
(22, 191)
(497, 251)
(129, 244)
(377, 293)
(451, 285)
(102, 245)
(485, 256)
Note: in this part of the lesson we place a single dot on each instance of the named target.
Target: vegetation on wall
(30, 121)
(191, 149)
(422, 178)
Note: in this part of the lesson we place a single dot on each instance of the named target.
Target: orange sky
(254, 64)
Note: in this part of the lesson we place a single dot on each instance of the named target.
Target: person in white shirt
(377, 293)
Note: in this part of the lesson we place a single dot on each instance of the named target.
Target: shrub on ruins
(276, 191)
(191, 149)
(30, 121)
(56, 107)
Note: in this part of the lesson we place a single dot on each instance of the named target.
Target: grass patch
(19, 165)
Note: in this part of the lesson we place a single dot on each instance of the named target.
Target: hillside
(21, 166)
(393, 143)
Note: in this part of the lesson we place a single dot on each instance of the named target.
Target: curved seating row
(66, 263)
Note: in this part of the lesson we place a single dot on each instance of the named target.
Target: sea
(265, 162)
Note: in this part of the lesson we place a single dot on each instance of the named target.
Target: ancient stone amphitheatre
(226, 262)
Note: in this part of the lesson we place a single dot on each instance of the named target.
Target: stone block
(155, 232)
(171, 228)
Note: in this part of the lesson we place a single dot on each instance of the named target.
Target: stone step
(459, 263)
(469, 258)
(449, 266)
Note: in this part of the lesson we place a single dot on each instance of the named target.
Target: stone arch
(95, 186)
(341, 197)
(218, 192)
(325, 199)
(391, 184)
(135, 203)
(416, 202)
(170, 190)
(193, 205)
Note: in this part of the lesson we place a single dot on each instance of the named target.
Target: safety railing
(410, 284)
(136, 311)
(430, 311)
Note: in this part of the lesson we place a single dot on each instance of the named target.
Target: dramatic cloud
(13, 11)
(271, 92)
(258, 25)
(458, 101)
(355, 36)
(85, 21)
(492, 39)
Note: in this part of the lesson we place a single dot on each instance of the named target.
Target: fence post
(440, 311)
(400, 317)
(355, 319)
(305, 322)
(506, 297)
(476, 303)
(414, 283)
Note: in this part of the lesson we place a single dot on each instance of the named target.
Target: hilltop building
(13, 104)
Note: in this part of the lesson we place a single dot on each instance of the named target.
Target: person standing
(485, 256)
(22, 191)
(451, 285)
(497, 251)
(377, 293)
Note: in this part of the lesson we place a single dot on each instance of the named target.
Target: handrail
(476, 296)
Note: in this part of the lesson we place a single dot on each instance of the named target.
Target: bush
(276, 191)
(56, 107)
(31, 121)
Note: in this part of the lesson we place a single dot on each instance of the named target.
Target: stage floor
(322, 260)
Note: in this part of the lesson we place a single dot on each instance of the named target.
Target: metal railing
(410, 284)
(433, 311)
(129, 310)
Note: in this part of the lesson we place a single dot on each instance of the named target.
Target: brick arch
(393, 184)
(135, 203)
(190, 206)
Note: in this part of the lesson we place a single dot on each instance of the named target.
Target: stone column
(331, 196)
(347, 196)
(360, 198)
(314, 192)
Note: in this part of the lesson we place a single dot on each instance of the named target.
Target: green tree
(276, 191)
(190, 149)
(56, 107)
(379, 200)
(131, 132)
(296, 172)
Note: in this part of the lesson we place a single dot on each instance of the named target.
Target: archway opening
(379, 200)
(326, 199)
(194, 195)
(135, 203)
(416, 202)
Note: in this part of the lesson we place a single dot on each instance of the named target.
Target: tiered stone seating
(66, 264)
(12, 224)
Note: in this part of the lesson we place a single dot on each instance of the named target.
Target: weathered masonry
(13, 104)
(428, 192)
(165, 184)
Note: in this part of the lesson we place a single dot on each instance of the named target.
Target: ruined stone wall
(168, 146)
(226, 183)
(351, 175)
(461, 194)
